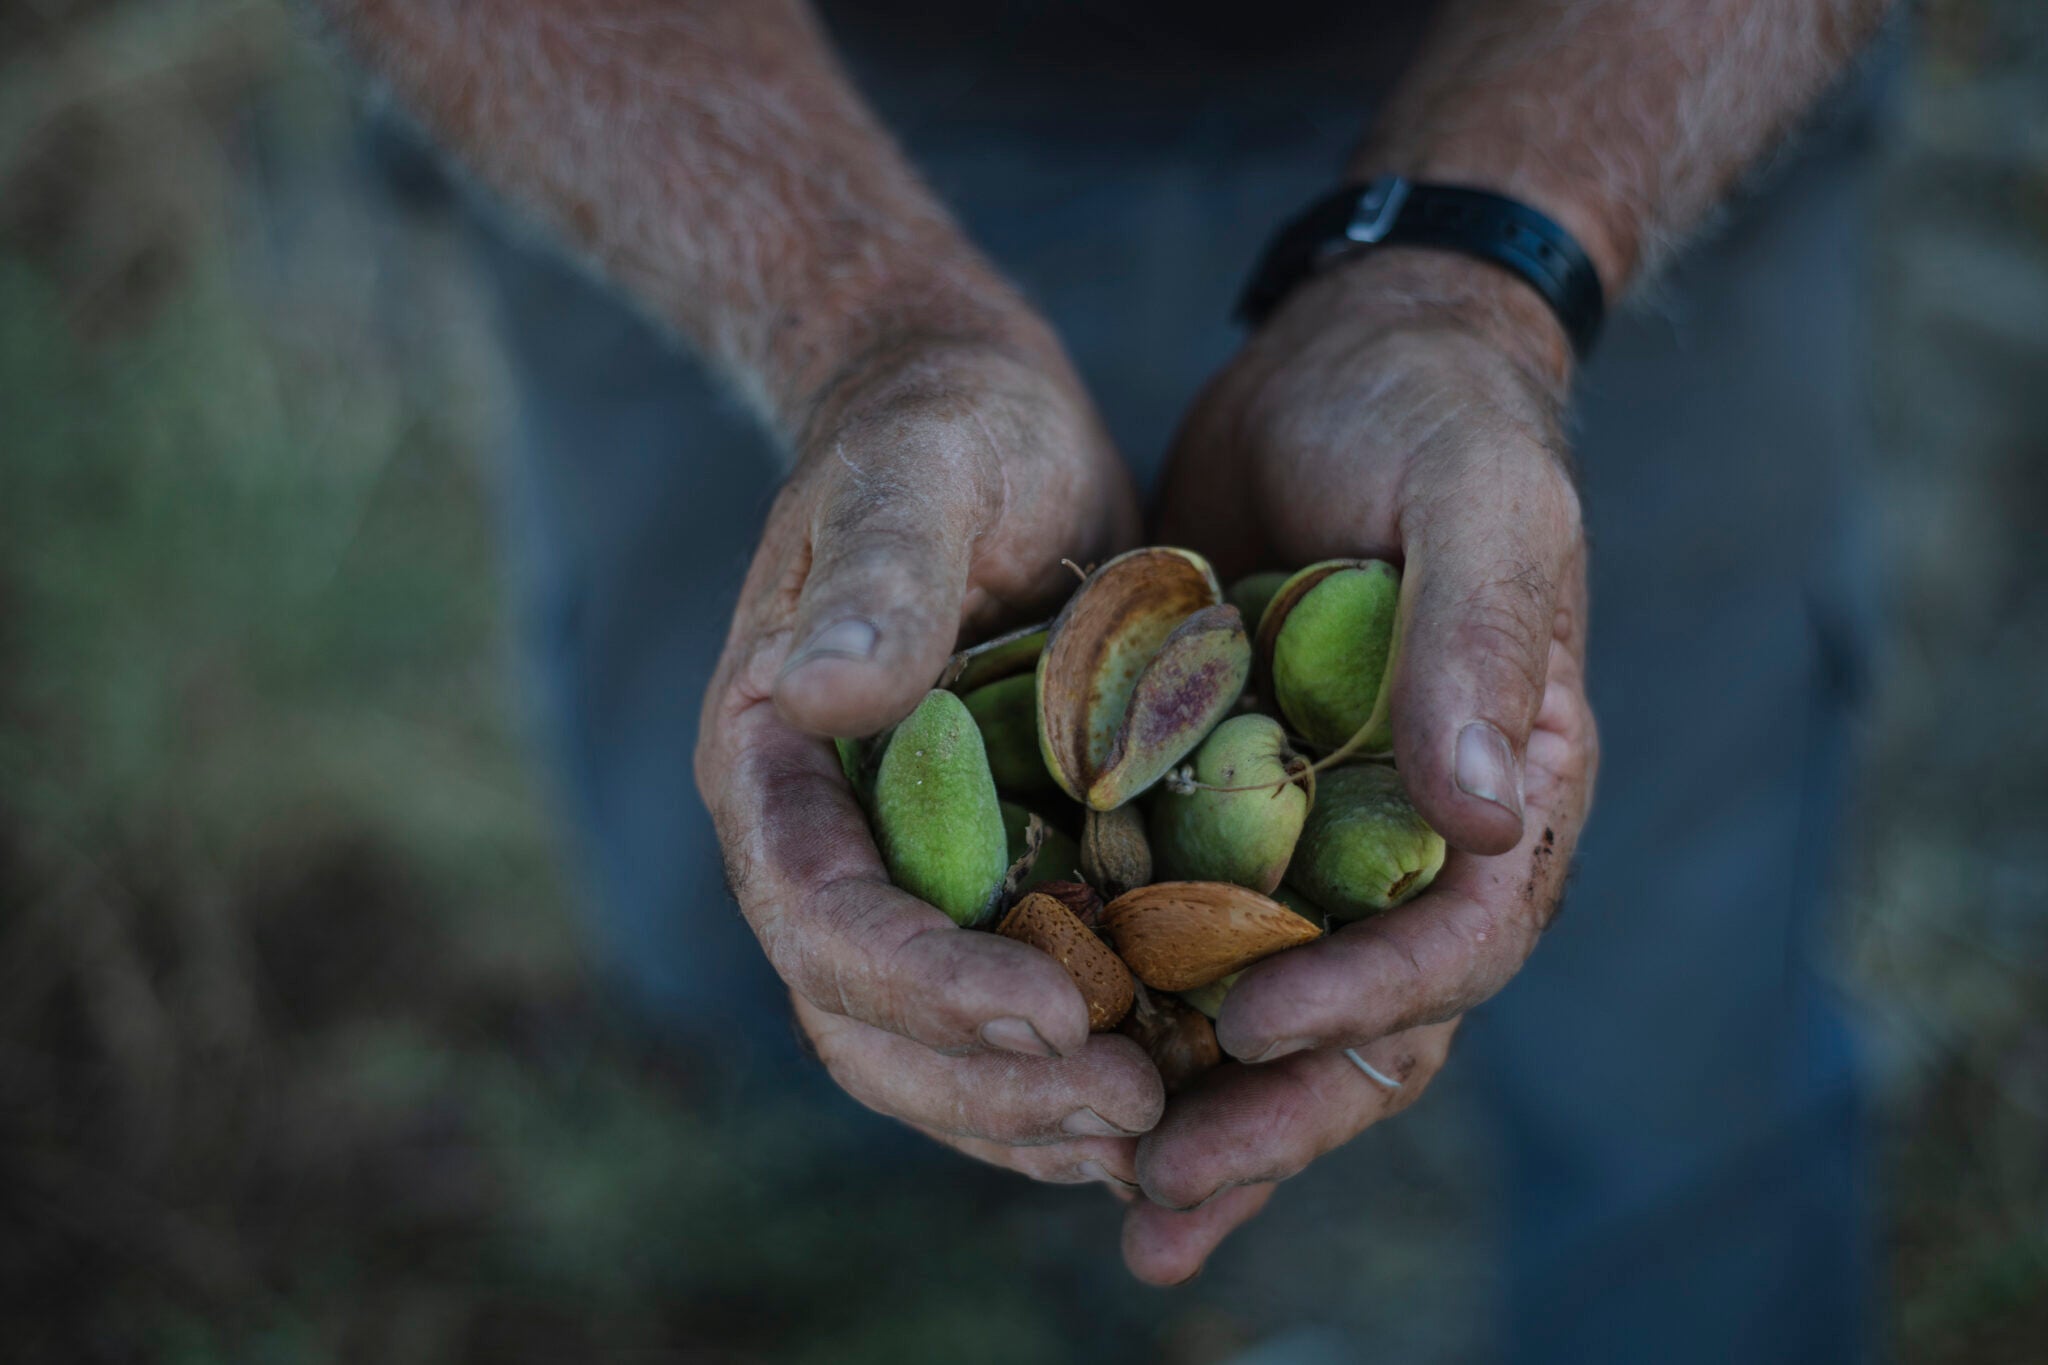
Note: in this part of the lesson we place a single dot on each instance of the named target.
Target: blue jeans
(1672, 1081)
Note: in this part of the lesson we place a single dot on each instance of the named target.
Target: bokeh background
(300, 1055)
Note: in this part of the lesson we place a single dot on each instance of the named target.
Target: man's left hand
(1404, 406)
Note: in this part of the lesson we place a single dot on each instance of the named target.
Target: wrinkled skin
(1400, 407)
(934, 495)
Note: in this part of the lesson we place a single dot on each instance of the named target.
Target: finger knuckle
(1503, 629)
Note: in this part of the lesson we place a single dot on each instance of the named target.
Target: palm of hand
(1427, 447)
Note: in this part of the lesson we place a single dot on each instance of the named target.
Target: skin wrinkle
(1489, 613)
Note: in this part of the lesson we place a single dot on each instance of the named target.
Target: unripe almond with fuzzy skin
(1325, 646)
(1240, 821)
(935, 814)
(1049, 926)
(1139, 665)
(1177, 936)
(1365, 848)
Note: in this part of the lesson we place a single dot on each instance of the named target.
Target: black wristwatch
(1392, 211)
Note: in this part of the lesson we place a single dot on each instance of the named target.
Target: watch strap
(1392, 210)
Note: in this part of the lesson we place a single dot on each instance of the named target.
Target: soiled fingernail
(1225, 1187)
(1095, 1170)
(1016, 1035)
(852, 638)
(1486, 767)
(1088, 1123)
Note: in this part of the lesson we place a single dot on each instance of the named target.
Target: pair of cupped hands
(1403, 407)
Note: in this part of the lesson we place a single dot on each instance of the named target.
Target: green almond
(1006, 713)
(1364, 847)
(1209, 999)
(935, 814)
(1325, 647)
(1245, 834)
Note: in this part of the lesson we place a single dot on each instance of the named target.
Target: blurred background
(300, 1055)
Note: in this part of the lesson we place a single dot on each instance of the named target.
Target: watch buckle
(1377, 209)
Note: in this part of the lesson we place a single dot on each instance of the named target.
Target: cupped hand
(1406, 407)
(935, 492)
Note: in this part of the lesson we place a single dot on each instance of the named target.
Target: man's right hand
(936, 491)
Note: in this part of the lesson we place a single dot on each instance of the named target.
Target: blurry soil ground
(298, 1057)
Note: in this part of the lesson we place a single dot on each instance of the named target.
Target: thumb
(880, 607)
(1480, 604)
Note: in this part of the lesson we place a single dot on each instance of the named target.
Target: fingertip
(1153, 1254)
(1139, 1099)
(847, 697)
(1172, 1173)
(1472, 825)
(1165, 1248)
(1276, 1009)
(1467, 782)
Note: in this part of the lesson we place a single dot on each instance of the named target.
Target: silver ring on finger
(1373, 1073)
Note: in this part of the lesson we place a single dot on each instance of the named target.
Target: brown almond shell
(1049, 926)
(1178, 936)
(1084, 900)
(1116, 853)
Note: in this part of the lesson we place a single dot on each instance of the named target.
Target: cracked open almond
(1177, 936)
(1139, 665)
(1049, 926)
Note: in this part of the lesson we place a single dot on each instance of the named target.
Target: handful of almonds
(1156, 794)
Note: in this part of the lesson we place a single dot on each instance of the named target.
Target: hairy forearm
(1626, 120)
(710, 159)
